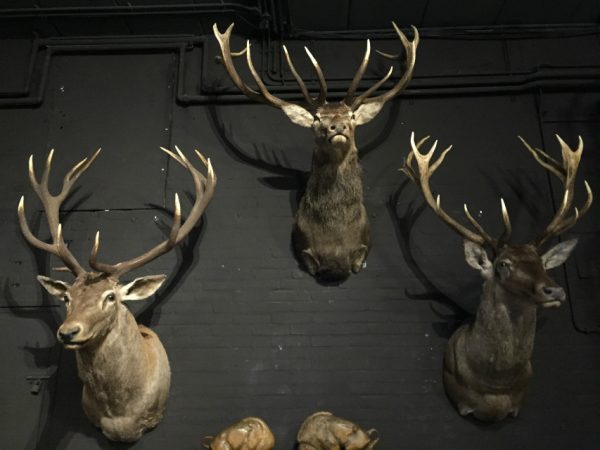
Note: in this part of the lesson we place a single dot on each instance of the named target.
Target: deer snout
(337, 127)
(553, 296)
(67, 332)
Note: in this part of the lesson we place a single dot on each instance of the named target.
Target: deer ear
(142, 287)
(477, 258)
(55, 288)
(558, 254)
(366, 112)
(298, 115)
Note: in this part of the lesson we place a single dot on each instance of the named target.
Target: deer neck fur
(115, 367)
(505, 327)
(335, 185)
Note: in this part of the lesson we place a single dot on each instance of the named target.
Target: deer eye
(352, 116)
(110, 297)
(504, 264)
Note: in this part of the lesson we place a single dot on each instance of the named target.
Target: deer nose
(66, 334)
(554, 293)
(338, 127)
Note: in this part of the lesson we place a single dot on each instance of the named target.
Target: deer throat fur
(503, 333)
(334, 192)
(114, 369)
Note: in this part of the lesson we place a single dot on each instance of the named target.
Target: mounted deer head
(109, 343)
(331, 233)
(487, 363)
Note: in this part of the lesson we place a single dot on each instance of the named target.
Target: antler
(52, 209)
(264, 95)
(421, 177)
(566, 173)
(204, 187)
(410, 50)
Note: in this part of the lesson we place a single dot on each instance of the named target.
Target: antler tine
(421, 177)
(223, 39)
(410, 48)
(322, 84)
(358, 75)
(297, 77)
(267, 96)
(204, 190)
(545, 160)
(264, 95)
(51, 205)
(566, 173)
(360, 99)
(407, 164)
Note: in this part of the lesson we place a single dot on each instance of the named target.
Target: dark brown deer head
(487, 364)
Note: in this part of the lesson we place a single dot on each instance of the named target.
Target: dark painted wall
(247, 331)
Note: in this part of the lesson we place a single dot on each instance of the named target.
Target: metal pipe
(128, 10)
(548, 78)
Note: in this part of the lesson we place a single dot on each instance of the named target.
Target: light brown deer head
(487, 363)
(94, 297)
(123, 366)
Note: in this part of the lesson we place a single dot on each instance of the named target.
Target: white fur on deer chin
(339, 139)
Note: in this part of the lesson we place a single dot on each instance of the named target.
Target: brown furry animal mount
(123, 365)
(250, 433)
(487, 364)
(331, 232)
(324, 431)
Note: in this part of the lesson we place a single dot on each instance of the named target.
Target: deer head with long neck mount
(331, 232)
(487, 363)
(123, 366)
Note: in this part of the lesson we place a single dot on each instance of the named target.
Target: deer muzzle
(70, 335)
(553, 296)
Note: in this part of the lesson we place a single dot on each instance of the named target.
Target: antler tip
(560, 140)
(21, 206)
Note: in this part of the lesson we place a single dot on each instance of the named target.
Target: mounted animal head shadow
(331, 232)
(487, 364)
(403, 225)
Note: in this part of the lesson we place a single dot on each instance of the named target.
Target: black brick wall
(247, 331)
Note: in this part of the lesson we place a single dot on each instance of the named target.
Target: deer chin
(76, 345)
(338, 139)
(551, 304)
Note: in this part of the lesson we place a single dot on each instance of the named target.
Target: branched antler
(51, 205)
(566, 173)
(421, 177)
(410, 51)
(265, 96)
(204, 190)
